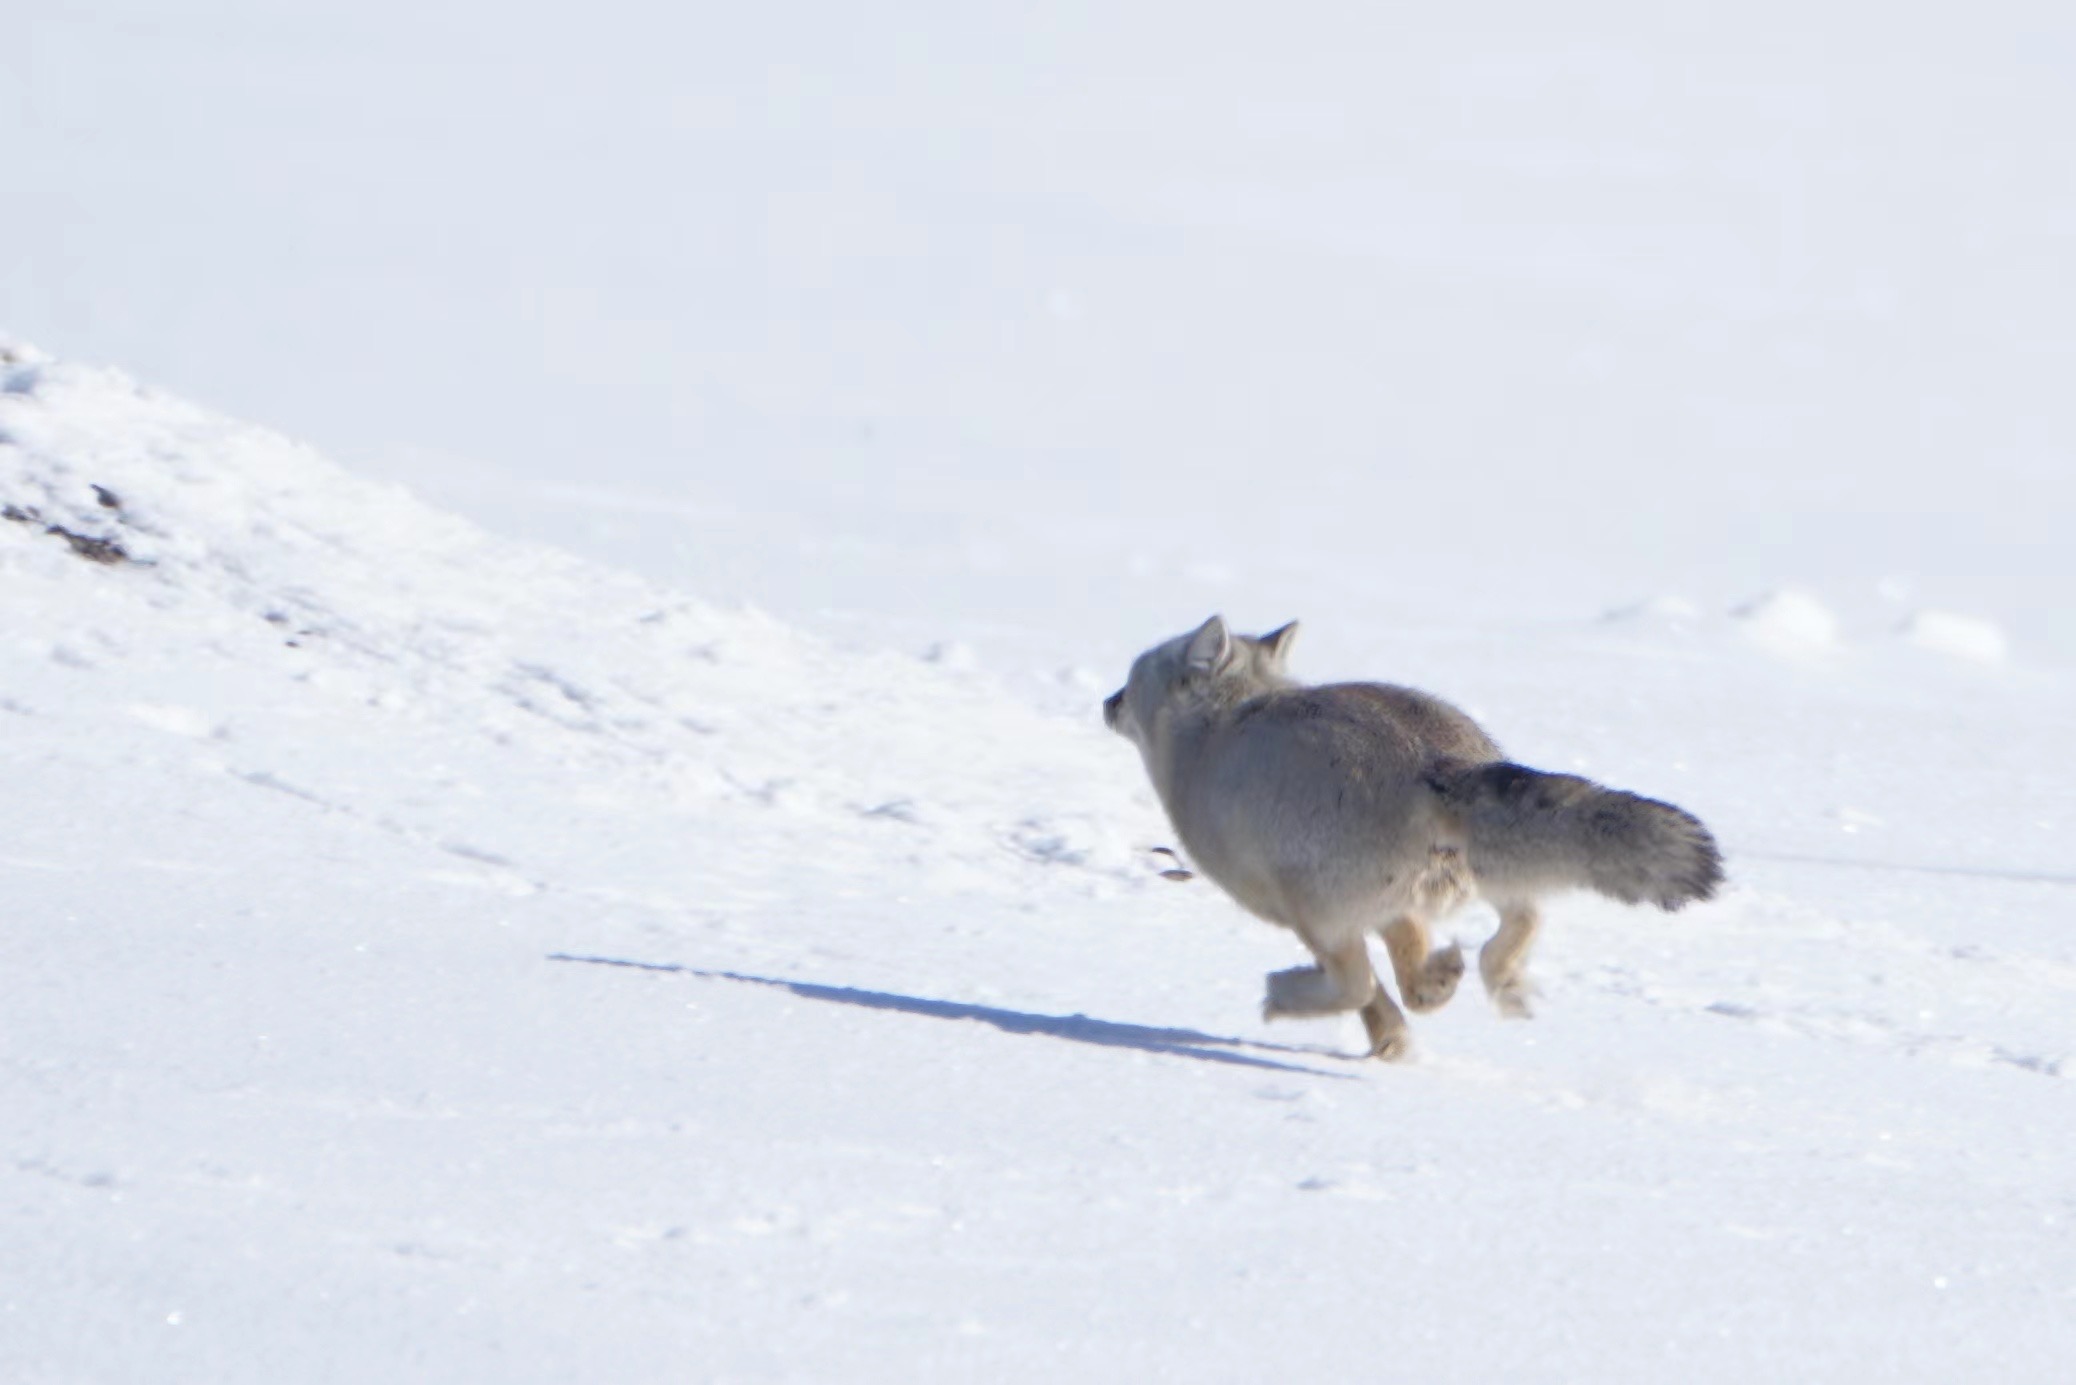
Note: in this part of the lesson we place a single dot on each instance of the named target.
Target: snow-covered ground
(433, 955)
(724, 944)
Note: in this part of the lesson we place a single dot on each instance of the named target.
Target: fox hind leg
(1503, 961)
(1427, 976)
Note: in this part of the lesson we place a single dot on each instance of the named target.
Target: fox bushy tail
(1529, 832)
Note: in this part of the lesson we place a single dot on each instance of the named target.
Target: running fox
(1346, 807)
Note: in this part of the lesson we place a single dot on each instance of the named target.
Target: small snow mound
(952, 654)
(1675, 612)
(14, 351)
(1789, 621)
(1852, 819)
(1957, 636)
(173, 720)
(20, 368)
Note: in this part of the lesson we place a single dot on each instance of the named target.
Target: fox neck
(1173, 749)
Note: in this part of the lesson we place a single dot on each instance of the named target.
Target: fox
(1337, 809)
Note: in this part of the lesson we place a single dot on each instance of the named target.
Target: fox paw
(1392, 1048)
(1431, 989)
(1511, 999)
(1297, 991)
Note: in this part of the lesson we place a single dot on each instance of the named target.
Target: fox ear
(1210, 648)
(1278, 643)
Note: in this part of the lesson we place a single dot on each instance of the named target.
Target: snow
(1789, 622)
(433, 953)
(624, 878)
(1957, 636)
(764, 300)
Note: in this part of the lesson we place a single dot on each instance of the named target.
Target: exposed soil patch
(93, 547)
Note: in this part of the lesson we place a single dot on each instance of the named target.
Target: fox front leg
(1342, 981)
(1385, 1023)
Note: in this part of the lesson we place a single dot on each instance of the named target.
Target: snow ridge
(350, 599)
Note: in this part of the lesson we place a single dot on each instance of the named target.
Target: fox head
(1209, 660)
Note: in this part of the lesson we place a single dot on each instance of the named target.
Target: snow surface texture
(433, 957)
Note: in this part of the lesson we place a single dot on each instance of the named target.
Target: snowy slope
(433, 957)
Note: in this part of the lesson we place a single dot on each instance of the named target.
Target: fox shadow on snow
(1080, 1029)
